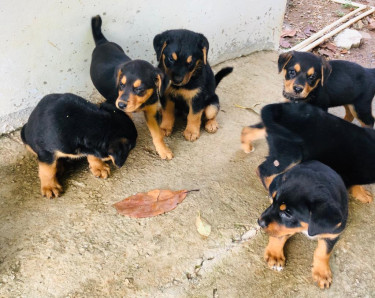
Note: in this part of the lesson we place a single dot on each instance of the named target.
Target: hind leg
(49, 186)
(362, 112)
(211, 112)
(348, 114)
(250, 134)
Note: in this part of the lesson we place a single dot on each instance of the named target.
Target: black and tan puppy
(312, 79)
(133, 85)
(66, 125)
(302, 132)
(310, 198)
(182, 55)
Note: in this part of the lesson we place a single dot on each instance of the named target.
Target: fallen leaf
(284, 44)
(308, 31)
(203, 227)
(288, 33)
(152, 203)
(344, 51)
(325, 53)
(331, 46)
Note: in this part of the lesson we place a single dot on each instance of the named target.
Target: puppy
(312, 79)
(133, 85)
(66, 125)
(302, 132)
(182, 56)
(310, 198)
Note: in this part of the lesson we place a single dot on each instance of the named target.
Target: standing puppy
(133, 85)
(182, 55)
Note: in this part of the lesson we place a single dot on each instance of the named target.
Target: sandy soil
(77, 246)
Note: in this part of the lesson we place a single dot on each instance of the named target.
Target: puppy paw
(191, 135)
(211, 126)
(246, 145)
(166, 131)
(361, 194)
(51, 190)
(322, 276)
(275, 260)
(165, 153)
(100, 170)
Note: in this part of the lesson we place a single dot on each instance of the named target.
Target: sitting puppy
(133, 85)
(302, 132)
(310, 198)
(66, 125)
(312, 79)
(182, 55)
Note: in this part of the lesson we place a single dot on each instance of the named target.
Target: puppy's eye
(312, 77)
(291, 72)
(139, 91)
(122, 86)
(170, 59)
(286, 214)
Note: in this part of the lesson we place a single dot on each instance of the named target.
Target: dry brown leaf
(152, 203)
(284, 44)
(288, 33)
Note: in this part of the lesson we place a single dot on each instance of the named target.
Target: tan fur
(321, 272)
(250, 134)
(361, 194)
(192, 130)
(97, 167)
(274, 252)
(168, 118)
(49, 186)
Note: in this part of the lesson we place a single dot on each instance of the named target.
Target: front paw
(322, 276)
(51, 190)
(166, 131)
(275, 260)
(211, 126)
(191, 135)
(165, 153)
(100, 170)
(361, 194)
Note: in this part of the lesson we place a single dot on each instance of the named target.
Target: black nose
(178, 79)
(122, 105)
(297, 89)
(262, 223)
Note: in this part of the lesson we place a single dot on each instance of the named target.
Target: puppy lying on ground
(133, 85)
(311, 79)
(310, 198)
(302, 132)
(182, 55)
(66, 125)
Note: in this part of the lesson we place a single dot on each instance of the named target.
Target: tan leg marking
(360, 193)
(250, 134)
(168, 118)
(49, 185)
(192, 130)
(348, 114)
(321, 272)
(211, 113)
(98, 167)
(156, 132)
(274, 252)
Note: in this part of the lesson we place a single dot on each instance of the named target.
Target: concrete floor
(78, 246)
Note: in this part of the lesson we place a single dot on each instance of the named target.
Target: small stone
(348, 38)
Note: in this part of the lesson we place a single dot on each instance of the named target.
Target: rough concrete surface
(78, 246)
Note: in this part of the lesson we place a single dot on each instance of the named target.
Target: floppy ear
(118, 76)
(204, 46)
(161, 82)
(324, 218)
(119, 151)
(326, 70)
(284, 58)
(160, 42)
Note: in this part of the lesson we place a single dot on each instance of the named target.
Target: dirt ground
(78, 246)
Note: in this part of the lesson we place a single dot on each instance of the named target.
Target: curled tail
(222, 73)
(96, 26)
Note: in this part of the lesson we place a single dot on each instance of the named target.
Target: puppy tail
(222, 73)
(96, 26)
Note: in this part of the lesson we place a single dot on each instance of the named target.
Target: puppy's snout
(122, 104)
(178, 79)
(297, 89)
(262, 223)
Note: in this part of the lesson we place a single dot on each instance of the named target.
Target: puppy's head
(303, 201)
(119, 149)
(303, 72)
(181, 54)
(138, 84)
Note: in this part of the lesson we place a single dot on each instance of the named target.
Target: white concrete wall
(46, 45)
